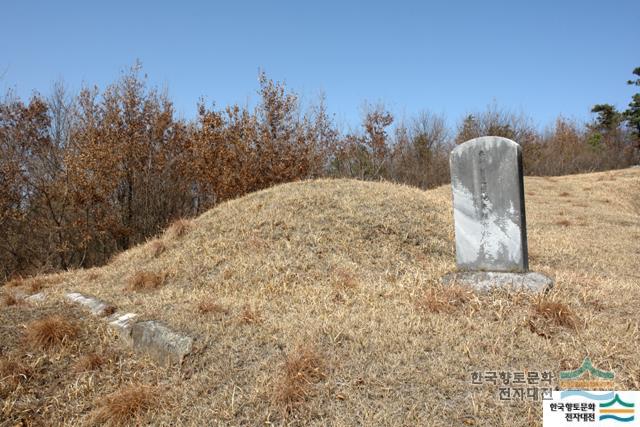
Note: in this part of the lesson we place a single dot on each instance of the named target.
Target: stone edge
(485, 281)
(151, 337)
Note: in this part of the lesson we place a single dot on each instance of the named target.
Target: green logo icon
(586, 366)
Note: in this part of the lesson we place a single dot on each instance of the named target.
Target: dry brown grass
(15, 282)
(145, 281)
(37, 283)
(127, 405)
(50, 331)
(210, 306)
(57, 386)
(563, 222)
(179, 228)
(555, 312)
(564, 194)
(9, 299)
(249, 315)
(387, 358)
(303, 368)
(157, 248)
(344, 279)
(444, 299)
(90, 362)
(12, 374)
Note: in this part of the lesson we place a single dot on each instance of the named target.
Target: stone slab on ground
(163, 345)
(96, 306)
(36, 298)
(122, 323)
(486, 280)
(150, 337)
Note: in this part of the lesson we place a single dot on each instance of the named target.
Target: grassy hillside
(319, 302)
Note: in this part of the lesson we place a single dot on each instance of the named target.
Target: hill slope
(318, 303)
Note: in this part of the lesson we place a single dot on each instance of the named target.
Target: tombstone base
(486, 280)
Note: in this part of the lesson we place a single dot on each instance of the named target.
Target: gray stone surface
(96, 306)
(36, 298)
(488, 205)
(485, 280)
(151, 337)
(156, 340)
(122, 323)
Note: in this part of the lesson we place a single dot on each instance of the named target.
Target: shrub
(50, 331)
(302, 368)
(127, 404)
(146, 281)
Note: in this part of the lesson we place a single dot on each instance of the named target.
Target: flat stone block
(486, 280)
(151, 337)
(36, 298)
(122, 323)
(163, 345)
(96, 306)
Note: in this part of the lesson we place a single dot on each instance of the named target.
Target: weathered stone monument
(489, 216)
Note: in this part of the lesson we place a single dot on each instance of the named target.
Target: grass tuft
(145, 281)
(211, 307)
(157, 248)
(249, 315)
(556, 312)
(127, 404)
(179, 228)
(15, 282)
(563, 222)
(12, 374)
(50, 331)
(444, 299)
(344, 279)
(9, 299)
(89, 362)
(303, 368)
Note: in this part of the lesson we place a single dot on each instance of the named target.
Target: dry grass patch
(89, 362)
(444, 299)
(564, 194)
(127, 405)
(547, 316)
(179, 228)
(344, 279)
(9, 299)
(12, 374)
(563, 222)
(50, 331)
(15, 282)
(34, 284)
(250, 316)
(303, 368)
(157, 248)
(146, 281)
(211, 307)
(557, 312)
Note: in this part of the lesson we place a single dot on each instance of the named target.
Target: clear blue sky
(542, 58)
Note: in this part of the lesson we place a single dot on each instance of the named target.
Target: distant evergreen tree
(632, 114)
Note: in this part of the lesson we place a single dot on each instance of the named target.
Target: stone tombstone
(488, 205)
(489, 217)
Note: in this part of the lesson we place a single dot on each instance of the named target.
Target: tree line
(83, 177)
